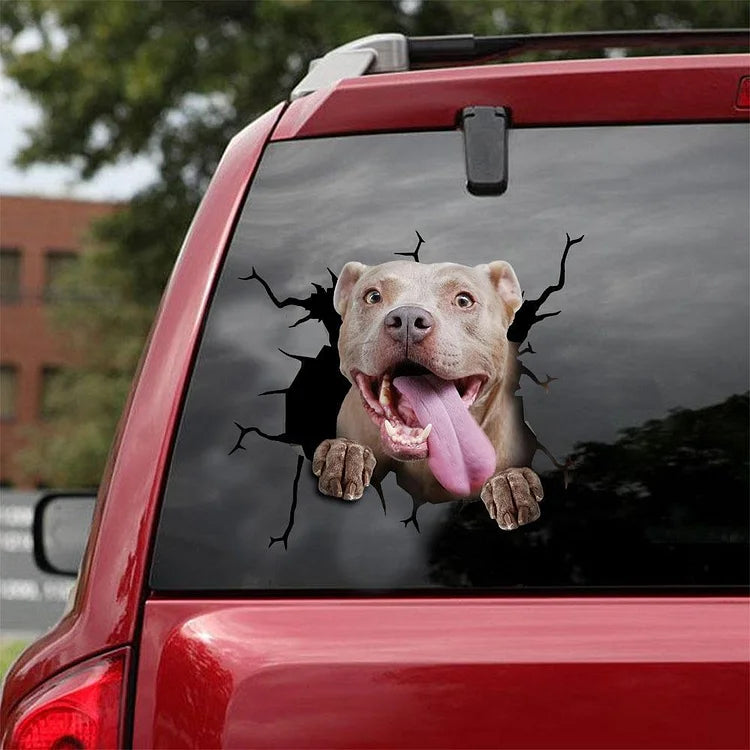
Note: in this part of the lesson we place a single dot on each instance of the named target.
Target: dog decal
(419, 379)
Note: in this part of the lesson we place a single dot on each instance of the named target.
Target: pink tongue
(461, 457)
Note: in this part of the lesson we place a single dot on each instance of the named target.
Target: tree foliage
(174, 81)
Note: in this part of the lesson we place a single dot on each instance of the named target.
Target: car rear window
(632, 367)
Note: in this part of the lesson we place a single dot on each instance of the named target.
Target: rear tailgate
(464, 673)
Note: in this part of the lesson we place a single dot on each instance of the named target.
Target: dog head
(443, 322)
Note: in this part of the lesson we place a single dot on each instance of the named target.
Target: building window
(10, 275)
(8, 391)
(49, 407)
(56, 264)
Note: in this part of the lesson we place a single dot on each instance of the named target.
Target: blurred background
(114, 116)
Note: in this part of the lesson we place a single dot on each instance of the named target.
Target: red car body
(607, 671)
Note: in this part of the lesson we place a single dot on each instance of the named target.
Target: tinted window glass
(636, 391)
(50, 395)
(56, 264)
(8, 391)
(10, 275)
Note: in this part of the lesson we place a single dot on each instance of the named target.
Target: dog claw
(512, 497)
(344, 468)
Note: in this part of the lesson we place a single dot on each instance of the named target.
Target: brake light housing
(743, 94)
(78, 709)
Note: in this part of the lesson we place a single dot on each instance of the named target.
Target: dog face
(426, 329)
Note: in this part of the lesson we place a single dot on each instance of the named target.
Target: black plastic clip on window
(486, 147)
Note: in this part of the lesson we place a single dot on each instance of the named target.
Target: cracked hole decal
(420, 378)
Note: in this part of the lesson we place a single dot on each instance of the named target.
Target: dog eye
(372, 297)
(464, 299)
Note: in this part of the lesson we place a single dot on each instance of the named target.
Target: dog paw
(512, 497)
(343, 468)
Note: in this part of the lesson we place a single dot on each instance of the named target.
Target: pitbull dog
(433, 374)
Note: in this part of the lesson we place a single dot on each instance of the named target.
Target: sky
(17, 114)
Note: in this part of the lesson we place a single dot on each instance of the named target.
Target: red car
(243, 586)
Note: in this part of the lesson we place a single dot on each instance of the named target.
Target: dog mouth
(402, 400)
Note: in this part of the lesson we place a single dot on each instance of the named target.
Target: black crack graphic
(414, 253)
(527, 316)
(319, 304)
(290, 523)
(308, 421)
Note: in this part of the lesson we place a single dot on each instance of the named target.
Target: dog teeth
(385, 396)
(399, 432)
(403, 435)
(424, 434)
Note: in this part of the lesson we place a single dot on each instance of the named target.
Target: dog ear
(504, 279)
(348, 277)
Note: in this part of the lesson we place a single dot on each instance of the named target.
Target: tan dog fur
(461, 343)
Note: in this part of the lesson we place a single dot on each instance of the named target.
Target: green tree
(174, 81)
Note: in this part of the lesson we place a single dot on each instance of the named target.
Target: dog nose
(408, 324)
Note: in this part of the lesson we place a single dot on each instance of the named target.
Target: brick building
(39, 238)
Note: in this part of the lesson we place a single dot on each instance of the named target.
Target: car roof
(633, 90)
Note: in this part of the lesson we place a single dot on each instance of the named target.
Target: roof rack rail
(389, 53)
